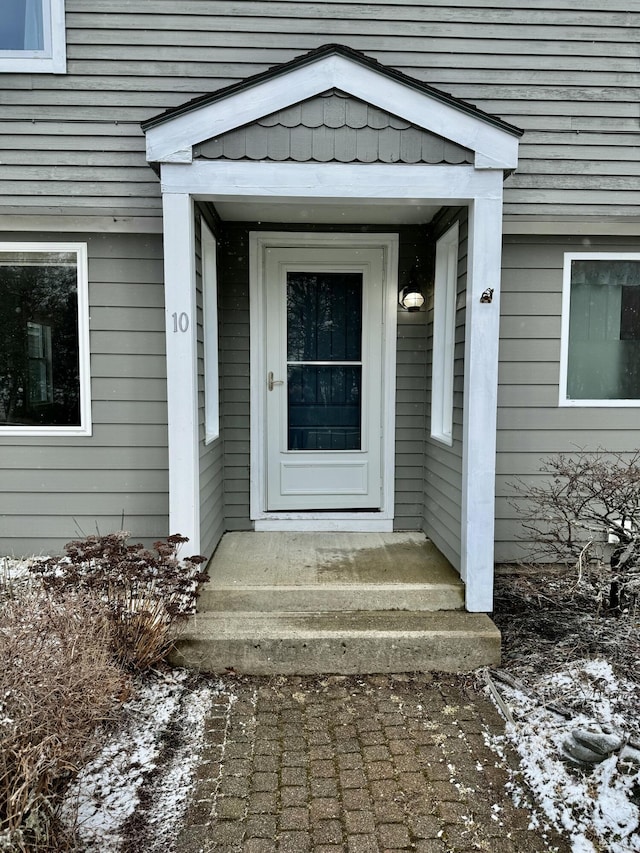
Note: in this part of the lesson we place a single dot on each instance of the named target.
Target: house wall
(568, 76)
(210, 456)
(235, 377)
(531, 425)
(442, 463)
(55, 489)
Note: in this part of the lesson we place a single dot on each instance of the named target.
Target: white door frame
(259, 242)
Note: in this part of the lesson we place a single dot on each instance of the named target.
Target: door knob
(271, 382)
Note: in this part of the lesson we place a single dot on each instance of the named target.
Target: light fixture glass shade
(411, 298)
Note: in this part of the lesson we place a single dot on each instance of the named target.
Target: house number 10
(180, 321)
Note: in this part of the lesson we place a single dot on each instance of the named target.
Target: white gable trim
(347, 183)
(170, 141)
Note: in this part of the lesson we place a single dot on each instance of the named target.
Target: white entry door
(323, 384)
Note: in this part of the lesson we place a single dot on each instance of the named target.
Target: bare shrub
(148, 593)
(57, 683)
(587, 514)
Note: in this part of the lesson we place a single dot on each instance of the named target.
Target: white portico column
(480, 398)
(182, 388)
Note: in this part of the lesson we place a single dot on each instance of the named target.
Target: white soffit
(355, 214)
(171, 140)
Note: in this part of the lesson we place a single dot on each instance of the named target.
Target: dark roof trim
(313, 56)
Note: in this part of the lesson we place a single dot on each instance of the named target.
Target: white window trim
(444, 335)
(565, 401)
(53, 59)
(85, 427)
(210, 330)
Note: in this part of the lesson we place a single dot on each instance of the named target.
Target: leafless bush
(586, 513)
(147, 593)
(57, 683)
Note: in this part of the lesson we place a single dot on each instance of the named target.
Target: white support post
(182, 390)
(482, 330)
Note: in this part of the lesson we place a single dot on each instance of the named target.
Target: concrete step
(329, 596)
(346, 643)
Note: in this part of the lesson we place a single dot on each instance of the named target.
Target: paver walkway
(357, 764)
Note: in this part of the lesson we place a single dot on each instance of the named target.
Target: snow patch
(596, 807)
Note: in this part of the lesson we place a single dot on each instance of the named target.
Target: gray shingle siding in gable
(568, 76)
(336, 127)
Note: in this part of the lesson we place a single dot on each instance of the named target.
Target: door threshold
(363, 522)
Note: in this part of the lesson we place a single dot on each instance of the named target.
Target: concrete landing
(344, 603)
(330, 571)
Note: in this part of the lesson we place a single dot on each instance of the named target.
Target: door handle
(271, 382)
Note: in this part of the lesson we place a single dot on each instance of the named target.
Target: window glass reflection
(39, 345)
(324, 407)
(324, 347)
(604, 330)
(324, 316)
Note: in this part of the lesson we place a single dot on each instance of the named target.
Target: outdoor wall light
(411, 298)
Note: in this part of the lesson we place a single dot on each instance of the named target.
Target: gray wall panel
(568, 76)
(531, 425)
(209, 455)
(53, 488)
(443, 464)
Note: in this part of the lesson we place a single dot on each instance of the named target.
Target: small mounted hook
(487, 295)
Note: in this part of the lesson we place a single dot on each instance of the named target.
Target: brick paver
(371, 764)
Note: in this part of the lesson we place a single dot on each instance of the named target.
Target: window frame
(53, 58)
(564, 401)
(445, 297)
(84, 377)
(210, 332)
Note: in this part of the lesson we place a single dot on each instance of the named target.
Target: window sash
(39, 352)
(600, 342)
(444, 334)
(45, 23)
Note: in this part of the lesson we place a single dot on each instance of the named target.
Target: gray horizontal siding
(55, 488)
(568, 75)
(210, 456)
(443, 464)
(531, 425)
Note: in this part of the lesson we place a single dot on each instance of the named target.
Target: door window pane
(324, 407)
(604, 330)
(324, 316)
(21, 25)
(324, 371)
(39, 345)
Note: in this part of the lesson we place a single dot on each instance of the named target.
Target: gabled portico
(341, 195)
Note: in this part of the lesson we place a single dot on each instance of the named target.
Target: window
(600, 354)
(32, 36)
(444, 334)
(44, 346)
(210, 312)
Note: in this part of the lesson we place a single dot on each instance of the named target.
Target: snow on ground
(137, 787)
(156, 751)
(597, 807)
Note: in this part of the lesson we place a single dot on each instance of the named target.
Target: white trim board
(259, 242)
(182, 385)
(172, 140)
(329, 183)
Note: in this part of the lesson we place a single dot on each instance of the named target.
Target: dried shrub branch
(586, 513)
(57, 684)
(148, 593)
